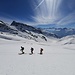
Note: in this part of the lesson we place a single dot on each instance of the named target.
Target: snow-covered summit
(32, 33)
(1, 22)
(25, 31)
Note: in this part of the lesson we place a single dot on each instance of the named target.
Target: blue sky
(16, 9)
(38, 12)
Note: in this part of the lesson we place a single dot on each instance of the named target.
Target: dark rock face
(22, 27)
(5, 28)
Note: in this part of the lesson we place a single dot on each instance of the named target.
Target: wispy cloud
(59, 12)
(70, 18)
(47, 11)
(39, 4)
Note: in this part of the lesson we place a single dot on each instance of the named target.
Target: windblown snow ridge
(25, 31)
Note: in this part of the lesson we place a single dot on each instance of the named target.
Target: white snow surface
(57, 58)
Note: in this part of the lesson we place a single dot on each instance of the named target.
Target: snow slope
(57, 58)
(68, 40)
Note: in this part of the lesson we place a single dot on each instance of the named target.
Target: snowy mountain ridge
(25, 31)
(60, 32)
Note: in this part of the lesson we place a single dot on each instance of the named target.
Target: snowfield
(58, 58)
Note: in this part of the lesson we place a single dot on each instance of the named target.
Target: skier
(22, 49)
(32, 49)
(41, 51)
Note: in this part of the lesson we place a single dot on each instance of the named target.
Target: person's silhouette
(22, 50)
(32, 49)
(41, 51)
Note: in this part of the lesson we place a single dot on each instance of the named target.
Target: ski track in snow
(56, 59)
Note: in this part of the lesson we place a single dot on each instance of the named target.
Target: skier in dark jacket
(41, 51)
(32, 49)
(22, 50)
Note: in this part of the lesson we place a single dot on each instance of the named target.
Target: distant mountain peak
(1, 22)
